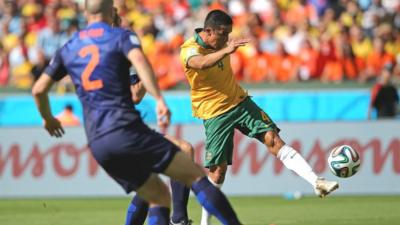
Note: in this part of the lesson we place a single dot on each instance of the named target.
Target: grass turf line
(259, 210)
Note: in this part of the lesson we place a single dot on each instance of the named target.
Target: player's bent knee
(183, 145)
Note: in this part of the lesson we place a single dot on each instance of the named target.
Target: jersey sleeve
(56, 69)
(187, 53)
(133, 76)
(129, 41)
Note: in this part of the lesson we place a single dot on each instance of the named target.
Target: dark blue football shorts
(130, 154)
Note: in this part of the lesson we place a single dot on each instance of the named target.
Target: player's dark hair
(98, 6)
(116, 18)
(216, 18)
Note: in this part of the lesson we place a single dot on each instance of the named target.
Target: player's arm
(130, 45)
(40, 94)
(131, 48)
(148, 79)
(209, 60)
(137, 88)
(55, 71)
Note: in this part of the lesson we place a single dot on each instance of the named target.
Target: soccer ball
(344, 161)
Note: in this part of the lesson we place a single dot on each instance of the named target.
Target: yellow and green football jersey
(213, 90)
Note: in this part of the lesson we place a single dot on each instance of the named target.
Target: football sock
(294, 161)
(214, 201)
(205, 216)
(158, 216)
(180, 197)
(137, 211)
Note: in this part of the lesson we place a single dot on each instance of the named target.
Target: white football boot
(325, 187)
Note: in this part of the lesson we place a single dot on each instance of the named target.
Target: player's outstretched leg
(137, 211)
(184, 170)
(138, 208)
(295, 162)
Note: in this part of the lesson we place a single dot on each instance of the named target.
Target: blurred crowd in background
(291, 40)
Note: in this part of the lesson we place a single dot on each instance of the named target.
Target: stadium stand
(292, 40)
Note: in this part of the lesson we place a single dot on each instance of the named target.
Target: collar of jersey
(198, 39)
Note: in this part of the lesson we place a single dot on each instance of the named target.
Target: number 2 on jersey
(93, 51)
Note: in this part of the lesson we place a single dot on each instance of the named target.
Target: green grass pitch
(259, 210)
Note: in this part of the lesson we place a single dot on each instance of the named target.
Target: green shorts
(247, 117)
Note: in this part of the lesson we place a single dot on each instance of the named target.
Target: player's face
(218, 36)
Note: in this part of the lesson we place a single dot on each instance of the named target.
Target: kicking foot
(324, 187)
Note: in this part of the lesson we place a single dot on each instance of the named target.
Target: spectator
(51, 38)
(32, 13)
(377, 60)
(384, 97)
(308, 61)
(361, 47)
(285, 67)
(327, 66)
(67, 117)
(20, 65)
(4, 67)
(44, 25)
(292, 42)
(347, 57)
(257, 66)
(373, 16)
(8, 40)
(11, 17)
(268, 43)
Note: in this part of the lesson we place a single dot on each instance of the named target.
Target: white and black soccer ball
(344, 161)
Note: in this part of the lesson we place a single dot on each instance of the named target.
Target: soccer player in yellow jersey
(224, 105)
